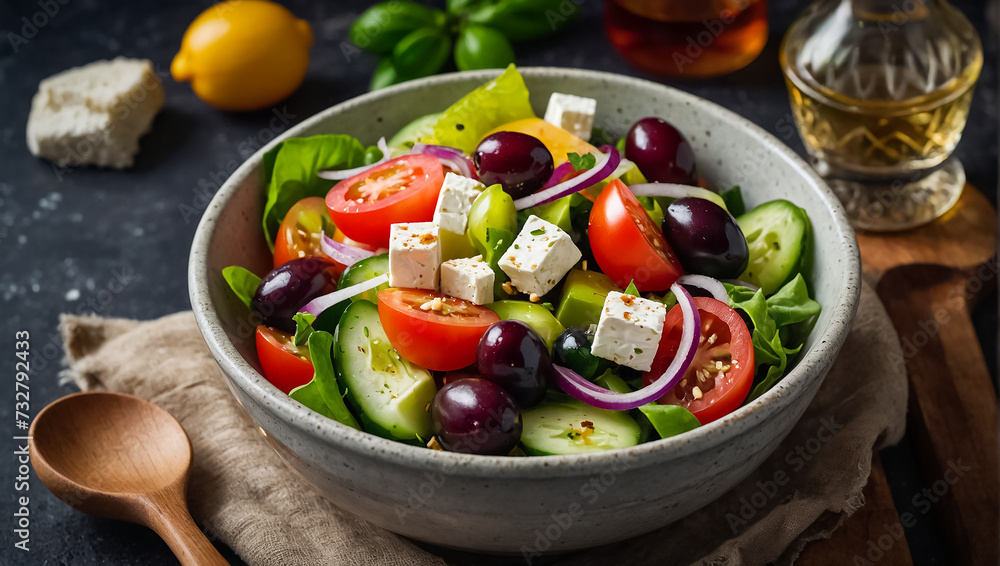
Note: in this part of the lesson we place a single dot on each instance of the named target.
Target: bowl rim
(239, 373)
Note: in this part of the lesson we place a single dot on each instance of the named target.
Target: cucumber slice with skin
(368, 268)
(419, 130)
(562, 425)
(390, 394)
(778, 235)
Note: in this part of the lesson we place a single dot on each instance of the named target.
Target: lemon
(244, 54)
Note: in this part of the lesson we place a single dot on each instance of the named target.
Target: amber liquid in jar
(685, 37)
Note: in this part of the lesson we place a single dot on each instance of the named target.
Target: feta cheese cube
(539, 257)
(470, 279)
(629, 330)
(572, 113)
(95, 114)
(454, 202)
(414, 255)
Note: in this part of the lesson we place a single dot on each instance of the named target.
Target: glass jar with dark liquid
(686, 37)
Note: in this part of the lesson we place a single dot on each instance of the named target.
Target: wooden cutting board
(929, 278)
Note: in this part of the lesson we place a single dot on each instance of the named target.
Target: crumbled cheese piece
(629, 330)
(414, 255)
(572, 113)
(539, 257)
(470, 279)
(94, 114)
(454, 202)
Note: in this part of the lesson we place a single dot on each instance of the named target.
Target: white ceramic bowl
(547, 504)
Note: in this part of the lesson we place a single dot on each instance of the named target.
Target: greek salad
(492, 282)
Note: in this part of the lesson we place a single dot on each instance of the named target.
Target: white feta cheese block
(541, 254)
(454, 202)
(470, 279)
(629, 330)
(414, 255)
(95, 114)
(572, 113)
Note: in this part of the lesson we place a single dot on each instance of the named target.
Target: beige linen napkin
(242, 492)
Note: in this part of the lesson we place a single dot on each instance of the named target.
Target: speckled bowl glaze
(541, 504)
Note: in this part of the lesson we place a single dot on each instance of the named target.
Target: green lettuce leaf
(632, 289)
(303, 327)
(290, 172)
(791, 304)
(502, 100)
(242, 281)
(323, 386)
(669, 420)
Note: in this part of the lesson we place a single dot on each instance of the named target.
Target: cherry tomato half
(722, 368)
(301, 231)
(442, 338)
(285, 365)
(627, 244)
(404, 189)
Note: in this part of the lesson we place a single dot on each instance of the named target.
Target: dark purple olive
(520, 163)
(706, 239)
(288, 287)
(515, 357)
(476, 416)
(661, 152)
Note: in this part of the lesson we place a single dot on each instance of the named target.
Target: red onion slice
(316, 306)
(713, 286)
(348, 173)
(673, 190)
(450, 156)
(342, 253)
(592, 394)
(557, 175)
(605, 166)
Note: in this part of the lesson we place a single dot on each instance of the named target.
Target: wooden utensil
(928, 278)
(118, 456)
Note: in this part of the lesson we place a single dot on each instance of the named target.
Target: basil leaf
(632, 289)
(242, 281)
(290, 172)
(582, 163)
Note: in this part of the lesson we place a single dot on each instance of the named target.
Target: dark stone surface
(66, 236)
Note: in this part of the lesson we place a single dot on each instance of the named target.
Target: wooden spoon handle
(953, 408)
(172, 521)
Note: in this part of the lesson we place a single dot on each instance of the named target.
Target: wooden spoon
(117, 456)
(927, 278)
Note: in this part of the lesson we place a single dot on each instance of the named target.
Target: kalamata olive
(706, 239)
(288, 287)
(520, 163)
(572, 350)
(475, 416)
(661, 152)
(515, 357)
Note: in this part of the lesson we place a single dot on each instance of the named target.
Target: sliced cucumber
(362, 271)
(419, 130)
(778, 235)
(389, 393)
(557, 427)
